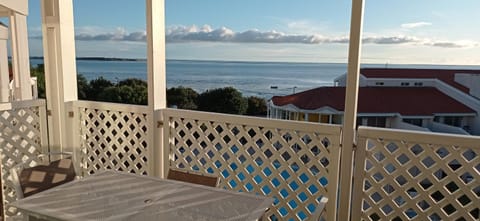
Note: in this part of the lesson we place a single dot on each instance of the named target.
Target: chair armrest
(320, 208)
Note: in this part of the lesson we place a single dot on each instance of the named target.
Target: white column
(350, 114)
(4, 73)
(60, 68)
(157, 89)
(156, 67)
(20, 56)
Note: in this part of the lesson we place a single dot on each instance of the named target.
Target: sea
(262, 79)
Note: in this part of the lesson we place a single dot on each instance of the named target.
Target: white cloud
(448, 44)
(188, 34)
(391, 40)
(120, 34)
(415, 25)
(181, 34)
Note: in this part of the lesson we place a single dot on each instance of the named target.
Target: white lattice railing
(399, 175)
(23, 135)
(294, 162)
(113, 136)
(402, 175)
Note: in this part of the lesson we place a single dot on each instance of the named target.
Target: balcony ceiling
(3, 11)
(19, 6)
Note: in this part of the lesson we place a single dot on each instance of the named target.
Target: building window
(418, 84)
(379, 83)
(337, 119)
(372, 121)
(453, 121)
(405, 84)
(325, 119)
(376, 121)
(418, 122)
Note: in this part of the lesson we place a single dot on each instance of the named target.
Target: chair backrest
(320, 208)
(192, 178)
(31, 180)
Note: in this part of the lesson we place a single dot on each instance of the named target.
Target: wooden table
(111, 195)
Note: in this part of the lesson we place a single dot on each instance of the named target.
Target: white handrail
(110, 106)
(418, 136)
(274, 123)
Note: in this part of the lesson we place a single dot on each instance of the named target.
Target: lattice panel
(114, 140)
(417, 181)
(20, 140)
(293, 166)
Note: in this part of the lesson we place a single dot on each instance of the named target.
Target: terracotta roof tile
(408, 101)
(445, 75)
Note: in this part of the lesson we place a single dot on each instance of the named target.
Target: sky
(394, 32)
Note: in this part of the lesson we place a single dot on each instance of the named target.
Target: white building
(416, 99)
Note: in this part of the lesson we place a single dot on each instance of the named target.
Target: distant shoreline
(391, 65)
(99, 59)
(144, 59)
(188, 60)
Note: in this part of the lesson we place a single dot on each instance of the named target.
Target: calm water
(251, 78)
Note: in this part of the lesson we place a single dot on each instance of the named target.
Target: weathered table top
(111, 195)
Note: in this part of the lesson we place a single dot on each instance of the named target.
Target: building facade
(416, 99)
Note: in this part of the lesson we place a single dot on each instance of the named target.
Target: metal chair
(320, 209)
(193, 178)
(41, 173)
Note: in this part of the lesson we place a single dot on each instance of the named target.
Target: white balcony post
(60, 68)
(4, 72)
(156, 70)
(350, 115)
(20, 56)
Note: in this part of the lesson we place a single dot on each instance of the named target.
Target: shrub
(257, 106)
(222, 100)
(125, 94)
(96, 87)
(183, 98)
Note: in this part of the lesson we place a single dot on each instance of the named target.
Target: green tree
(134, 91)
(132, 82)
(82, 87)
(136, 94)
(257, 106)
(182, 97)
(222, 100)
(96, 87)
(39, 72)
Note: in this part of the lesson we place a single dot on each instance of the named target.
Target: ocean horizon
(258, 78)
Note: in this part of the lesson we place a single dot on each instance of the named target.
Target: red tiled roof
(408, 101)
(445, 75)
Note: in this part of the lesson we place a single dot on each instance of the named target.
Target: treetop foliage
(134, 91)
(223, 100)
